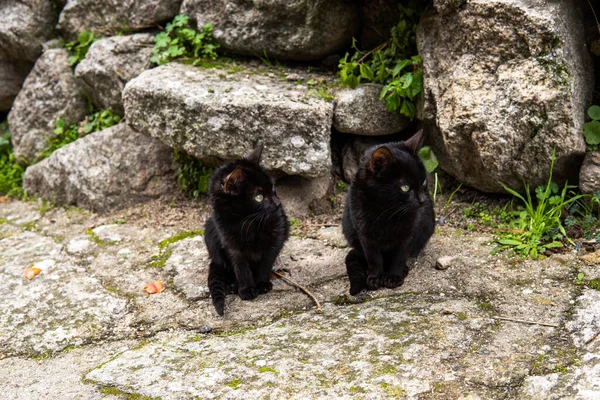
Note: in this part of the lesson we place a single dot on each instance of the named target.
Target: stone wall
(506, 82)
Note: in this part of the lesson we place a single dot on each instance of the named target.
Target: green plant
(591, 129)
(539, 226)
(79, 48)
(394, 64)
(100, 120)
(192, 176)
(179, 40)
(430, 162)
(11, 172)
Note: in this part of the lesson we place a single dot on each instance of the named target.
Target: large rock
(297, 193)
(361, 112)
(291, 30)
(110, 63)
(215, 113)
(589, 176)
(506, 83)
(104, 170)
(24, 26)
(12, 75)
(49, 92)
(111, 16)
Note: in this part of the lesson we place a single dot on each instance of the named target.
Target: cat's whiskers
(247, 220)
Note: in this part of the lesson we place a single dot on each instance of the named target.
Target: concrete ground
(85, 329)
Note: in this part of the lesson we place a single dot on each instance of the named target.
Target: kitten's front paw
(374, 282)
(264, 287)
(248, 294)
(393, 281)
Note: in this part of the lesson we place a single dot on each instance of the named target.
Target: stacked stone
(499, 97)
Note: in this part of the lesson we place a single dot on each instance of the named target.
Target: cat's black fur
(383, 224)
(243, 236)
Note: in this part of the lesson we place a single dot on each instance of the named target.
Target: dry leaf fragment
(154, 287)
(31, 273)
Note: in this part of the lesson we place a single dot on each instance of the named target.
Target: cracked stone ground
(84, 328)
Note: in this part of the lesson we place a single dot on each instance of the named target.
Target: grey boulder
(109, 64)
(216, 114)
(506, 83)
(292, 30)
(109, 17)
(24, 26)
(49, 92)
(359, 111)
(589, 176)
(108, 169)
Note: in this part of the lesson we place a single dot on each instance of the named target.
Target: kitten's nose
(422, 198)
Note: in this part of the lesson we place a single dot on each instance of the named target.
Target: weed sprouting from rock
(11, 172)
(179, 40)
(79, 48)
(394, 64)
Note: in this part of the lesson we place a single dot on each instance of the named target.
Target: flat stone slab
(443, 334)
(218, 113)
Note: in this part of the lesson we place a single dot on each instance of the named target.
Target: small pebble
(293, 77)
(205, 329)
(444, 262)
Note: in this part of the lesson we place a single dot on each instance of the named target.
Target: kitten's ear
(379, 158)
(254, 156)
(231, 181)
(415, 141)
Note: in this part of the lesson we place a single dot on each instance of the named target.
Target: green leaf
(85, 38)
(509, 242)
(366, 72)
(553, 245)
(73, 60)
(428, 158)
(408, 109)
(591, 131)
(594, 112)
(399, 67)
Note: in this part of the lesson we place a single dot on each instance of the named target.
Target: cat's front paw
(248, 293)
(374, 282)
(392, 281)
(264, 287)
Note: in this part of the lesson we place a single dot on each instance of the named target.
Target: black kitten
(388, 215)
(246, 231)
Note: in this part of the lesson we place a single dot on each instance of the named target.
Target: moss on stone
(113, 391)
(235, 384)
(94, 238)
(268, 369)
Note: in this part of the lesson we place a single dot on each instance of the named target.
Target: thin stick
(292, 283)
(527, 322)
(594, 12)
(593, 337)
(381, 46)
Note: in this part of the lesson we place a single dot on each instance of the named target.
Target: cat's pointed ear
(380, 157)
(415, 141)
(254, 156)
(231, 181)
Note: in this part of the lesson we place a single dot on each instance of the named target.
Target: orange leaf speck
(30, 273)
(154, 287)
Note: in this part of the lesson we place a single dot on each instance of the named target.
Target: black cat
(388, 215)
(246, 231)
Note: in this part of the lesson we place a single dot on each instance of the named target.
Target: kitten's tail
(216, 286)
(356, 266)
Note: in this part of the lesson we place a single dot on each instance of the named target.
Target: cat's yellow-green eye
(259, 198)
(405, 188)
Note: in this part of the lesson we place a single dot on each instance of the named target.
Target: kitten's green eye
(259, 198)
(405, 188)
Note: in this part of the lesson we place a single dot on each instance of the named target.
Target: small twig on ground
(527, 322)
(302, 288)
(592, 338)
(595, 17)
